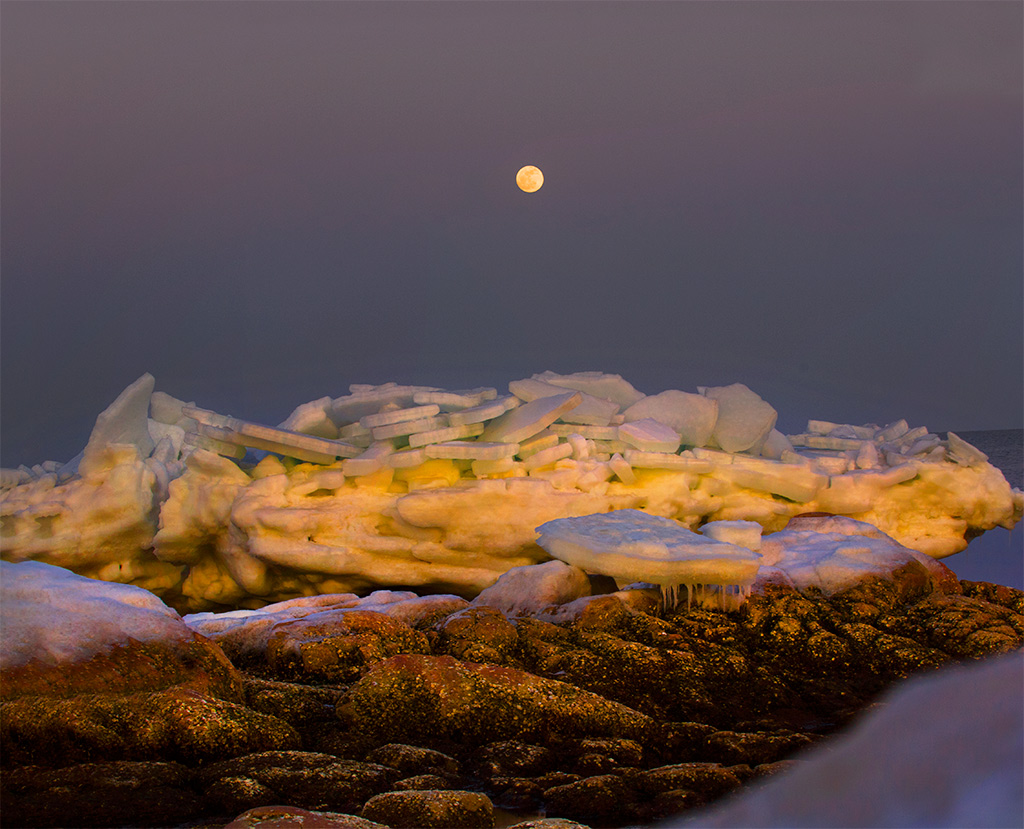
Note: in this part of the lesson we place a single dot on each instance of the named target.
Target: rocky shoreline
(618, 713)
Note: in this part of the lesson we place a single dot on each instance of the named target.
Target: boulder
(96, 670)
(292, 817)
(100, 794)
(434, 809)
(945, 750)
(301, 778)
(426, 698)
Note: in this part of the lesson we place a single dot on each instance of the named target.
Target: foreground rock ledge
(613, 716)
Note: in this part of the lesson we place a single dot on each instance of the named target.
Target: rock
(66, 635)
(1007, 597)
(549, 823)
(245, 635)
(302, 778)
(528, 590)
(512, 758)
(962, 765)
(292, 817)
(338, 647)
(422, 782)
(308, 709)
(732, 748)
(606, 798)
(430, 809)
(428, 698)
(175, 724)
(230, 794)
(406, 759)
(708, 780)
(93, 670)
(479, 634)
(100, 794)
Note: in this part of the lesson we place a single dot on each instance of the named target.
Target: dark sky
(261, 203)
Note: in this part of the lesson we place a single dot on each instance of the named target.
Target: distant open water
(998, 555)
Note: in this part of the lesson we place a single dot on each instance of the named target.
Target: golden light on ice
(529, 179)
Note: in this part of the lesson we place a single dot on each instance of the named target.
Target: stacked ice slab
(421, 487)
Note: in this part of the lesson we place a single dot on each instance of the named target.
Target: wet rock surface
(615, 717)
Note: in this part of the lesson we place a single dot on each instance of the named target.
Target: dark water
(998, 555)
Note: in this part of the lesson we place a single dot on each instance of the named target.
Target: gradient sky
(261, 203)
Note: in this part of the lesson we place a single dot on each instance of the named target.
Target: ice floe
(632, 546)
(431, 489)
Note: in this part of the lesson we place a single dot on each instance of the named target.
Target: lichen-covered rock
(339, 647)
(307, 779)
(175, 724)
(414, 760)
(732, 748)
(428, 698)
(435, 809)
(98, 671)
(100, 794)
(512, 758)
(292, 817)
(604, 798)
(708, 780)
(479, 634)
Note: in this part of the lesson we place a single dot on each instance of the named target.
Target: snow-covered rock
(529, 590)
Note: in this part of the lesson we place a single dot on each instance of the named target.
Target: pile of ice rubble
(418, 487)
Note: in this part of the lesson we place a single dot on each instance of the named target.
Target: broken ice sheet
(648, 435)
(632, 546)
(693, 416)
(484, 412)
(526, 420)
(609, 386)
(471, 450)
(594, 411)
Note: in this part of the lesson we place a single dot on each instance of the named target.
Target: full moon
(529, 179)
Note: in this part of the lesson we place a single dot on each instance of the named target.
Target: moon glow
(529, 179)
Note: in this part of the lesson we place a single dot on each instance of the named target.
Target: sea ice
(459, 506)
(485, 411)
(609, 386)
(593, 411)
(313, 418)
(526, 420)
(631, 546)
(648, 435)
(744, 419)
(124, 421)
(693, 416)
(831, 553)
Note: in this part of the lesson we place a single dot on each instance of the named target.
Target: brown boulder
(338, 647)
(479, 634)
(100, 794)
(733, 748)
(605, 798)
(431, 809)
(176, 724)
(430, 698)
(292, 817)
(303, 778)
